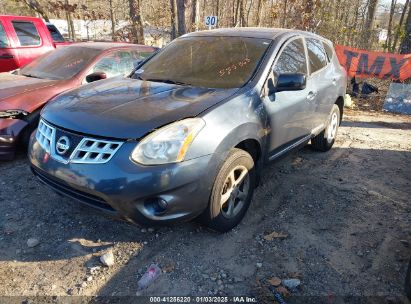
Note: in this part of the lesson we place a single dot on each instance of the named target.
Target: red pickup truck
(22, 39)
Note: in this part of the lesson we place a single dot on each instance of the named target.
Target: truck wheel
(325, 140)
(232, 192)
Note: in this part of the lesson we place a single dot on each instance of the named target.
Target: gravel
(352, 199)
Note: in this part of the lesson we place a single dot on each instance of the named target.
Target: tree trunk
(137, 29)
(405, 47)
(388, 40)
(181, 13)
(397, 32)
(173, 19)
(194, 15)
(242, 14)
(284, 21)
(113, 22)
(258, 16)
(236, 13)
(70, 24)
(367, 33)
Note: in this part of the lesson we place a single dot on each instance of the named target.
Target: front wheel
(325, 140)
(232, 192)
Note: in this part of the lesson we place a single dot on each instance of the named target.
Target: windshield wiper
(30, 75)
(168, 81)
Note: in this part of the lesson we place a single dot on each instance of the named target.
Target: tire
(238, 167)
(33, 121)
(325, 140)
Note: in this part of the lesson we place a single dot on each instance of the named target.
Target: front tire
(325, 140)
(232, 192)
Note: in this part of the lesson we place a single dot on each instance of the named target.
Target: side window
(292, 59)
(329, 50)
(4, 42)
(115, 64)
(316, 54)
(26, 33)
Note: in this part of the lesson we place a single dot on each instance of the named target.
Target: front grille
(45, 135)
(94, 151)
(82, 149)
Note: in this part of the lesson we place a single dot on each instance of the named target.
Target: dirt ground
(345, 216)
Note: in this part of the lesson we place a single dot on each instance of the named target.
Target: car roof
(252, 32)
(108, 45)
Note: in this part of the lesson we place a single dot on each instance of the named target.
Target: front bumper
(123, 188)
(10, 130)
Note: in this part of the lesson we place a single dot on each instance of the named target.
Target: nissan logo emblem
(62, 145)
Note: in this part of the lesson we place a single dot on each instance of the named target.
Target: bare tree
(258, 13)
(181, 14)
(137, 29)
(397, 32)
(405, 47)
(38, 8)
(195, 14)
(388, 40)
(113, 21)
(173, 20)
(367, 32)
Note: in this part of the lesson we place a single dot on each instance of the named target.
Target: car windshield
(62, 63)
(212, 62)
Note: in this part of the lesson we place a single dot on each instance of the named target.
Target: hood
(128, 108)
(13, 85)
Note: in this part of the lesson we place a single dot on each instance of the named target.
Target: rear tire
(325, 140)
(232, 192)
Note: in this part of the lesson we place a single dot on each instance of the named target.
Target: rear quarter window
(4, 41)
(26, 33)
(329, 50)
(316, 55)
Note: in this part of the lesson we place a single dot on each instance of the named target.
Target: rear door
(8, 58)
(289, 111)
(32, 39)
(322, 80)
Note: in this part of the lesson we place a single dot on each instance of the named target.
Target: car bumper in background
(146, 195)
(10, 130)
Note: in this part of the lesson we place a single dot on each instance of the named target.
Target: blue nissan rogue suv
(186, 135)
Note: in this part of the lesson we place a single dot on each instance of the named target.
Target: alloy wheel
(235, 191)
(332, 127)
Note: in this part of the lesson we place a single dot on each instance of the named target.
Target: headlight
(13, 113)
(168, 144)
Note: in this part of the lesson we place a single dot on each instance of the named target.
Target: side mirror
(291, 82)
(96, 76)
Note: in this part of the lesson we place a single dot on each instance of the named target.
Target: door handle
(6, 56)
(311, 95)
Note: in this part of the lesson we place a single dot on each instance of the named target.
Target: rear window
(55, 34)
(26, 33)
(4, 42)
(316, 55)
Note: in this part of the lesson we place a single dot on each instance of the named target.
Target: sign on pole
(211, 21)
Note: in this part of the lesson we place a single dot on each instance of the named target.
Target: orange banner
(364, 64)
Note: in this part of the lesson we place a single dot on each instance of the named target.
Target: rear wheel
(325, 140)
(232, 192)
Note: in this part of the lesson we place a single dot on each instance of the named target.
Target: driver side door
(289, 112)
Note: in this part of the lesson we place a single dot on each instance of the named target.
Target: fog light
(157, 205)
